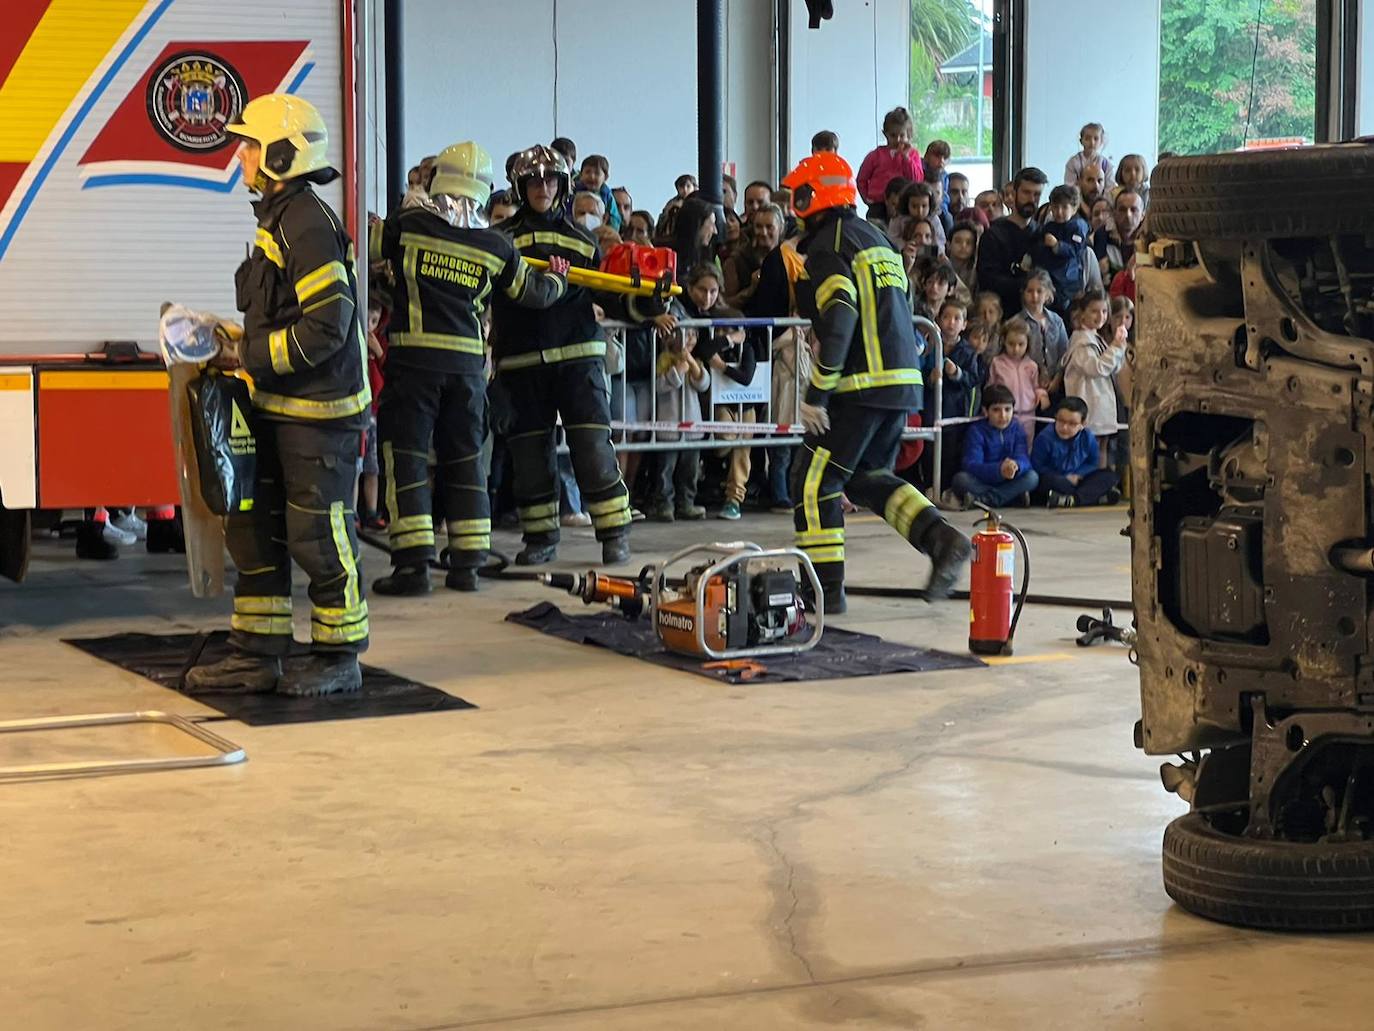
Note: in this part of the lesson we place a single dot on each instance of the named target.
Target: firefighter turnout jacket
(854, 290)
(445, 277)
(526, 337)
(303, 342)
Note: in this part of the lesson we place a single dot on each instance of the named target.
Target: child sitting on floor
(1065, 457)
(997, 467)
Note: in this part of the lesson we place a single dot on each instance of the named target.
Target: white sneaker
(576, 519)
(129, 522)
(952, 502)
(114, 535)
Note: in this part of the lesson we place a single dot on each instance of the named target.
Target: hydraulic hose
(1025, 583)
(919, 594)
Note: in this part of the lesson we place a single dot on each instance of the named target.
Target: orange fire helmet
(821, 182)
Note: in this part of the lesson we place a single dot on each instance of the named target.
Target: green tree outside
(941, 107)
(1207, 48)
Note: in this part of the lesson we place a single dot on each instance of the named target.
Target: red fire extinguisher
(992, 618)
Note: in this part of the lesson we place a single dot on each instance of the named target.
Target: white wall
(618, 77)
(847, 74)
(1114, 80)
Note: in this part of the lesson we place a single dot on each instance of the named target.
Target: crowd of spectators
(1027, 293)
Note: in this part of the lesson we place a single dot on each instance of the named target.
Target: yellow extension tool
(597, 280)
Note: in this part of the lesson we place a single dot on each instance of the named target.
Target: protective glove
(816, 418)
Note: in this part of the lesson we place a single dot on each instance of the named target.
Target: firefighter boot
(615, 551)
(461, 579)
(946, 547)
(240, 673)
(404, 581)
(321, 673)
(833, 590)
(91, 543)
(535, 553)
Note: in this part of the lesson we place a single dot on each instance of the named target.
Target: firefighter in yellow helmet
(448, 263)
(304, 348)
(865, 379)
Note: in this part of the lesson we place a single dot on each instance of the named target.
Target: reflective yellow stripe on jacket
(887, 378)
(568, 243)
(589, 349)
(441, 341)
(304, 408)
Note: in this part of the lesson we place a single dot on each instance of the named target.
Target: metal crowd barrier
(777, 429)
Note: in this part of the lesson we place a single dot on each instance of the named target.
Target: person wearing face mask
(449, 261)
(588, 211)
(865, 379)
(551, 363)
(596, 170)
(1005, 244)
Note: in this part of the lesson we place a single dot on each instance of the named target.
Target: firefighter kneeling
(865, 380)
(304, 347)
(447, 263)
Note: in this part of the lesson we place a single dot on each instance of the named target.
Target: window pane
(1228, 81)
(951, 82)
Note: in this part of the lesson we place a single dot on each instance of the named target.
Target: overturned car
(1252, 443)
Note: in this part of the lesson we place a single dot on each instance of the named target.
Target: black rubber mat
(841, 653)
(162, 658)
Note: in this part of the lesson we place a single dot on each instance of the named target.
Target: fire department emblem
(191, 98)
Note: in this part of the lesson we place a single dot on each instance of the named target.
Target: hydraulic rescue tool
(734, 601)
(628, 269)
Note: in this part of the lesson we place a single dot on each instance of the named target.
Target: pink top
(881, 166)
(1022, 377)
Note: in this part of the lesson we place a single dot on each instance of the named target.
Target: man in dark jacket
(552, 363)
(447, 263)
(865, 380)
(1002, 251)
(304, 347)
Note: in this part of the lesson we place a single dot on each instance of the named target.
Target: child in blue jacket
(997, 468)
(1063, 246)
(1065, 458)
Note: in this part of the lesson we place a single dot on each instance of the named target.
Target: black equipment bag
(226, 449)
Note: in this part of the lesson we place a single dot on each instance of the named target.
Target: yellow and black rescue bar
(635, 285)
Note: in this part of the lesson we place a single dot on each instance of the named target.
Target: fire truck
(119, 190)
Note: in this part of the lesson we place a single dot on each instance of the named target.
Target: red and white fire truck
(118, 191)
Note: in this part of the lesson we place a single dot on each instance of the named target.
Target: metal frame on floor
(226, 753)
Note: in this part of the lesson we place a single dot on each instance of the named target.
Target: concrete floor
(609, 845)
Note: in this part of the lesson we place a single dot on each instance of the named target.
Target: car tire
(1274, 885)
(1308, 191)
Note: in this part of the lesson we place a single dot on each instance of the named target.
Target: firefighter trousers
(577, 391)
(302, 511)
(853, 457)
(417, 407)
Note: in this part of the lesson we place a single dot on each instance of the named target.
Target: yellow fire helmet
(293, 138)
(463, 170)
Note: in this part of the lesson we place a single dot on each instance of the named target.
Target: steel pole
(395, 104)
(362, 43)
(711, 99)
